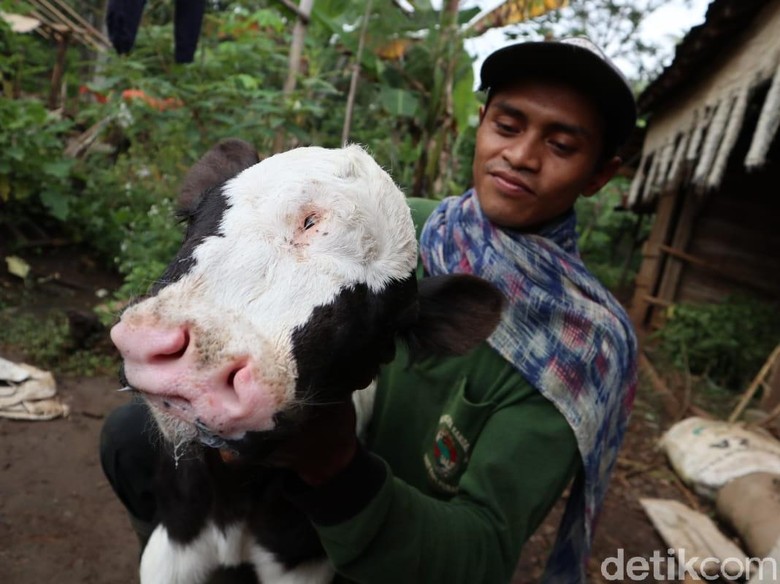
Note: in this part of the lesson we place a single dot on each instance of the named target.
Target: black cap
(574, 60)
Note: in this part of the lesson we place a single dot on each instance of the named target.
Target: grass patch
(48, 342)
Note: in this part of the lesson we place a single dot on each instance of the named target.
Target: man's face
(538, 148)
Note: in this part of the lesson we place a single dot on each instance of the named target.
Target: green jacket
(464, 460)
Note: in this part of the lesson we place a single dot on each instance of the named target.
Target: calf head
(295, 278)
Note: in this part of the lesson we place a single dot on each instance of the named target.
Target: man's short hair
(572, 61)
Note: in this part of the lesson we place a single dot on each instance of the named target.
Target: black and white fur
(295, 279)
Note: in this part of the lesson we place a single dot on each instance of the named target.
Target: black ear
(224, 161)
(456, 313)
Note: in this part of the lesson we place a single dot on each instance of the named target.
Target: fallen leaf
(17, 266)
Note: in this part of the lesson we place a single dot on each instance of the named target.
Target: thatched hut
(710, 165)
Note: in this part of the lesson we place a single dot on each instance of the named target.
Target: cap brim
(572, 64)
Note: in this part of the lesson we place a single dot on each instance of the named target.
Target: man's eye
(506, 128)
(562, 148)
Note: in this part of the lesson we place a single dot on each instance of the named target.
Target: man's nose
(524, 152)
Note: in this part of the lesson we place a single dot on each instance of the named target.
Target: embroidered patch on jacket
(446, 460)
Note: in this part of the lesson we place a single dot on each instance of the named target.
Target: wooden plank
(771, 397)
(682, 236)
(669, 401)
(682, 255)
(755, 385)
(721, 282)
(655, 301)
(737, 231)
(641, 311)
(716, 269)
(98, 37)
(63, 40)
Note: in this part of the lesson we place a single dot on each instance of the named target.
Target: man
(466, 455)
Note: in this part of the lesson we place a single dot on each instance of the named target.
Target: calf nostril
(231, 379)
(173, 347)
(237, 375)
(185, 342)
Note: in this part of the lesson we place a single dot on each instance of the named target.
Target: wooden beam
(652, 260)
(655, 301)
(54, 16)
(681, 255)
(97, 36)
(669, 401)
(713, 268)
(753, 388)
(683, 231)
(63, 39)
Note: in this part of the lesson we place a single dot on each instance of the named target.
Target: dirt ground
(59, 520)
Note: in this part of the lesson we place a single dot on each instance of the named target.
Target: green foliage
(25, 59)
(34, 176)
(154, 118)
(31, 161)
(126, 207)
(728, 341)
(125, 212)
(608, 235)
(46, 342)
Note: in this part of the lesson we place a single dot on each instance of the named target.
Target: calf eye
(310, 221)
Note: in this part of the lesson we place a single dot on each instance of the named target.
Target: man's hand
(322, 447)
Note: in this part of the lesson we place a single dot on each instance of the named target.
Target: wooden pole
(753, 388)
(355, 76)
(63, 39)
(294, 61)
(98, 38)
(57, 17)
(669, 401)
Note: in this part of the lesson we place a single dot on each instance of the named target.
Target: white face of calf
(291, 283)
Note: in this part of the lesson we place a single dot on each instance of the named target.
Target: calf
(295, 280)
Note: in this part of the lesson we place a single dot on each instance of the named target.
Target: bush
(158, 117)
(607, 235)
(126, 214)
(32, 168)
(47, 342)
(727, 342)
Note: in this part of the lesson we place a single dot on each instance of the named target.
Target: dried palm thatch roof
(697, 106)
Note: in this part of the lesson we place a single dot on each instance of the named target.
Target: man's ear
(482, 110)
(224, 161)
(456, 313)
(602, 176)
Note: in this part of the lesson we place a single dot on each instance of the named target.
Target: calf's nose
(226, 394)
(145, 344)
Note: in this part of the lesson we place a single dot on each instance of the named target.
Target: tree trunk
(434, 161)
(355, 76)
(294, 62)
(62, 37)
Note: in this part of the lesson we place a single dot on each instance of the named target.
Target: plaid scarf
(564, 332)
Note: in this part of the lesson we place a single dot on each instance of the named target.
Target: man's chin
(504, 211)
